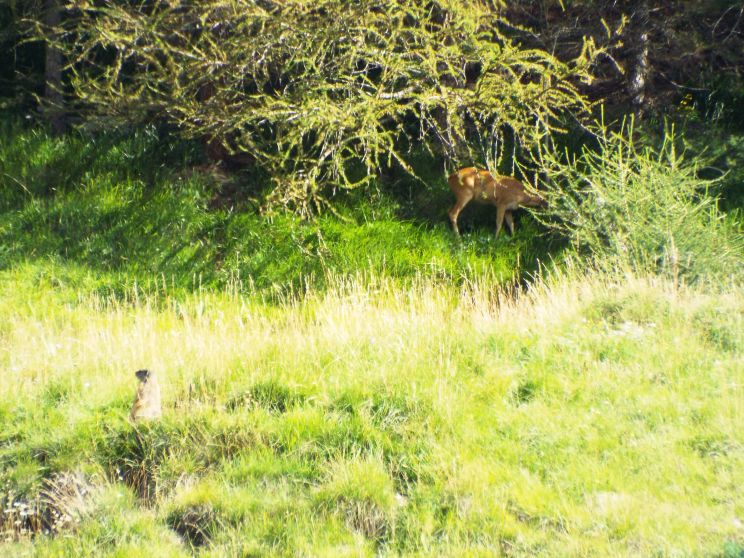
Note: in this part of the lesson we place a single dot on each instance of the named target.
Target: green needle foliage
(626, 205)
(320, 93)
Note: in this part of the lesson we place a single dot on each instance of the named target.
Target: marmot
(147, 401)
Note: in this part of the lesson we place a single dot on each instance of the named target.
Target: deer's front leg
(462, 200)
(500, 212)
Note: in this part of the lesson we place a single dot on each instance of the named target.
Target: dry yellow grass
(582, 417)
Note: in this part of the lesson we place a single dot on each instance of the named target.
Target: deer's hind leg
(509, 218)
(500, 213)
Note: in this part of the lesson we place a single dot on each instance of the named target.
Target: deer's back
(485, 187)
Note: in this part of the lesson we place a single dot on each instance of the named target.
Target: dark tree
(654, 53)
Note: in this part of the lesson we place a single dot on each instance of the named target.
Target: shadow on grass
(130, 205)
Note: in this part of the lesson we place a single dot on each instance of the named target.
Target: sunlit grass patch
(584, 416)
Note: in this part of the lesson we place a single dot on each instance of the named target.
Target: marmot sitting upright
(147, 401)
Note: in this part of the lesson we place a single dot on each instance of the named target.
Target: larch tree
(322, 94)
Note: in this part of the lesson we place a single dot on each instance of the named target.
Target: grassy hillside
(363, 384)
(586, 417)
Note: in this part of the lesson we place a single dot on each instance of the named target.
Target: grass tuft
(361, 492)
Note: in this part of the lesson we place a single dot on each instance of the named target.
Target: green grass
(133, 207)
(360, 385)
(588, 417)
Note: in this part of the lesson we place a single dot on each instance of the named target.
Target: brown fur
(147, 400)
(504, 192)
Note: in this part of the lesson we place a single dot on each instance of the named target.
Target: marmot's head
(143, 375)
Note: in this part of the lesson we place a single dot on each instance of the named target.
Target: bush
(624, 205)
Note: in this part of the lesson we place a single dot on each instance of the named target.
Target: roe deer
(505, 192)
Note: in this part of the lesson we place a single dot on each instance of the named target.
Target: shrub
(625, 205)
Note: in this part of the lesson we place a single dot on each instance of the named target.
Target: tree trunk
(638, 63)
(53, 72)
